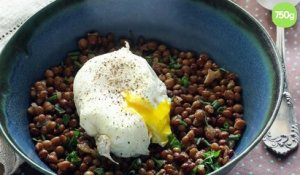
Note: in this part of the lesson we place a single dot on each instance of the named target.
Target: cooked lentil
(206, 113)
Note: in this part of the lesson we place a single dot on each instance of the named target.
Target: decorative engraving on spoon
(284, 143)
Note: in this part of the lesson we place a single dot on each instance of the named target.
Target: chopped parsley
(173, 142)
(235, 137)
(209, 163)
(73, 158)
(66, 119)
(216, 104)
(221, 109)
(223, 70)
(99, 171)
(210, 160)
(35, 139)
(184, 81)
(53, 98)
(135, 164)
(59, 109)
(202, 140)
(77, 64)
(72, 142)
(204, 102)
(225, 127)
(218, 108)
(149, 59)
(182, 122)
(173, 63)
(74, 55)
(195, 169)
(158, 163)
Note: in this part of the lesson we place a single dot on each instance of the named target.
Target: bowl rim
(281, 87)
(227, 4)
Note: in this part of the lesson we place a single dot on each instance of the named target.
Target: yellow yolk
(156, 118)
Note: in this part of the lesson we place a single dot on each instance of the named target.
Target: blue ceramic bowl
(231, 36)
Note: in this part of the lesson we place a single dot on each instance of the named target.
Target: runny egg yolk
(156, 118)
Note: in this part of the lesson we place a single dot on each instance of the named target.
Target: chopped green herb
(73, 158)
(204, 102)
(68, 79)
(53, 98)
(198, 140)
(206, 121)
(212, 154)
(158, 163)
(91, 55)
(59, 109)
(184, 81)
(205, 141)
(74, 53)
(195, 169)
(223, 70)
(74, 58)
(210, 160)
(43, 137)
(221, 109)
(89, 51)
(172, 98)
(175, 66)
(202, 140)
(173, 63)
(136, 163)
(234, 137)
(76, 133)
(99, 171)
(216, 104)
(213, 166)
(173, 142)
(172, 60)
(231, 144)
(77, 64)
(35, 139)
(182, 122)
(149, 59)
(225, 127)
(132, 172)
(72, 142)
(66, 119)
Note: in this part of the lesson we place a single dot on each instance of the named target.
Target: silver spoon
(283, 135)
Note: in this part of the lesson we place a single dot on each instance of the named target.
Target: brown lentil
(239, 124)
(193, 114)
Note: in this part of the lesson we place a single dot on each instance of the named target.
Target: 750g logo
(284, 15)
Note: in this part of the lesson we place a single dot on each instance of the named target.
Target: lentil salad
(206, 113)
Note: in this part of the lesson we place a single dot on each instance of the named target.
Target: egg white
(98, 88)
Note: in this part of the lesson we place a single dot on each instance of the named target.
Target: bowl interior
(233, 39)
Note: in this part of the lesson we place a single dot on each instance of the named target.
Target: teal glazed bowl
(233, 38)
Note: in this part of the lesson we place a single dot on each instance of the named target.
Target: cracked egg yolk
(156, 118)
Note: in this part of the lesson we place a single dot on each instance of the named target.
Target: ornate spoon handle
(283, 135)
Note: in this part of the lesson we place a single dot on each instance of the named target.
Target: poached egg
(122, 103)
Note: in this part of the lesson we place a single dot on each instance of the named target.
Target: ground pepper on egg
(206, 115)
